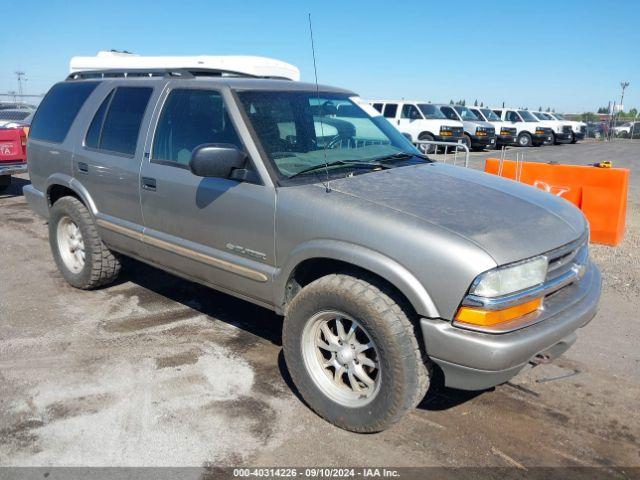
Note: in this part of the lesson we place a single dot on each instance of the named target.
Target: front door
(215, 230)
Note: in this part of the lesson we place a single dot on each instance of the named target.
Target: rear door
(214, 230)
(107, 162)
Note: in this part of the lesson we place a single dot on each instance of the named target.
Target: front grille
(507, 131)
(566, 129)
(568, 257)
(457, 131)
(491, 131)
(583, 128)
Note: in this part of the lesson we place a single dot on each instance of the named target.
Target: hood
(471, 125)
(509, 220)
(447, 122)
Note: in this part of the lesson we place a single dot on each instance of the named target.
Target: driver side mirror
(216, 160)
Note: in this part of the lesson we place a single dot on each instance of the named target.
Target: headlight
(481, 129)
(444, 128)
(511, 279)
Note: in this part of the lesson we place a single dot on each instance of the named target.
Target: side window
(58, 110)
(93, 134)
(449, 113)
(513, 116)
(410, 111)
(477, 114)
(378, 107)
(122, 122)
(390, 110)
(190, 118)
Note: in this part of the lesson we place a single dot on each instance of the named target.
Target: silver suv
(387, 266)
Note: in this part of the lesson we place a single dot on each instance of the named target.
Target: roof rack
(159, 72)
(124, 64)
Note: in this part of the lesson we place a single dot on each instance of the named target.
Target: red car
(13, 154)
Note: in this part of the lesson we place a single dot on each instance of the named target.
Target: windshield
(526, 116)
(466, 114)
(431, 112)
(540, 116)
(558, 116)
(302, 130)
(491, 117)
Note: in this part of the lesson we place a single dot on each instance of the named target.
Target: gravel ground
(157, 371)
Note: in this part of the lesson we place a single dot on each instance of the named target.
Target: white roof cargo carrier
(242, 65)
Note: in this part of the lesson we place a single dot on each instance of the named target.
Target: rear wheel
(5, 182)
(524, 140)
(84, 261)
(573, 138)
(352, 353)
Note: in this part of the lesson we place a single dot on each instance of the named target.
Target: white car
(505, 134)
(530, 131)
(625, 129)
(420, 121)
(562, 131)
(579, 128)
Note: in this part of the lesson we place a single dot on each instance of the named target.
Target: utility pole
(22, 77)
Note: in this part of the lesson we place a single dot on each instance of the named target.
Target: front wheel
(84, 261)
(524, 140)
(427, 149)
(352, 353)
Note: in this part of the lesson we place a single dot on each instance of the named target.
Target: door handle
(149, 183)
(83, 167)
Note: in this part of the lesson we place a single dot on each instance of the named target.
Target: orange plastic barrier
(601, 193)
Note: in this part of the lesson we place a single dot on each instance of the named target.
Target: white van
(562, 131)
(420, 121)
(530, 132)
(505, 134)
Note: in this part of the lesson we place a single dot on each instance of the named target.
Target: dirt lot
(158, 371)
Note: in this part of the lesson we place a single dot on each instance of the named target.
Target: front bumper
(506, 139)
(579, 135)
(564, 137)
(450, 139)
(484, 140)
(539, 138)
(13, 168)
(474, 361)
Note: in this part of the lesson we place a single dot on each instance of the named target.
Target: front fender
(361, 257)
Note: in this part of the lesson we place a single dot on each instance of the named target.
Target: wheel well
(56, 192)
(425, 133)
(314, 268)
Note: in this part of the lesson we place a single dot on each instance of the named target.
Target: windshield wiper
(341, 163)
(400, 156)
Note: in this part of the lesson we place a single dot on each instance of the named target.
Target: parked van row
(477, 127)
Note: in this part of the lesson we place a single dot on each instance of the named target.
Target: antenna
(327, 186)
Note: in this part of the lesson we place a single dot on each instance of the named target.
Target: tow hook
(540, 359)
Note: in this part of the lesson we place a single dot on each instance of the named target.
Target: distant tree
(589, 117)
(633, 112)
(463, 103)
(603, 110)
(540, 108)
(481, 104)
(451, 102)
(475, 104)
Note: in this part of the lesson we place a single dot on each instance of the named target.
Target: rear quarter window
(58, 110)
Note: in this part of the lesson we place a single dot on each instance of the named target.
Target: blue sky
(570, 55)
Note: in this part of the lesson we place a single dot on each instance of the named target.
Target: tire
(573, 138)
(427, 149)
(524, 140)
(467, 140)
(402, 376)
(553, 139)
(5, 182)
(84, 261)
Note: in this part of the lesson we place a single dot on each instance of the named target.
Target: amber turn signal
(485, 318)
